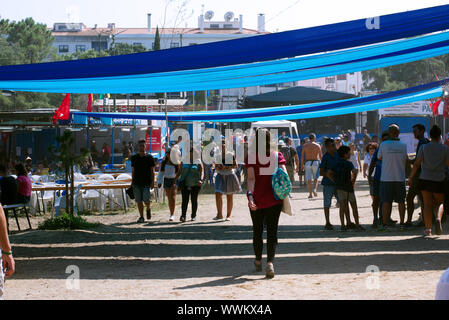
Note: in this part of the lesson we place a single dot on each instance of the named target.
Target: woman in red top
(24, 192)
(261, 202)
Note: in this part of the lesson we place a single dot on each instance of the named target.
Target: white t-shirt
(393, 154)
(367, 159)
(355, 160)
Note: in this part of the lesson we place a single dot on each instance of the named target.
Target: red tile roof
(130, 31)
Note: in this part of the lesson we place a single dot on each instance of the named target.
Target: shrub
(66, 222)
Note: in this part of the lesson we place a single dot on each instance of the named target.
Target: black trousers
(191, 193)
(269, 216)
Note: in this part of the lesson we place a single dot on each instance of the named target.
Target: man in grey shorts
(310, 162)
(6, 261)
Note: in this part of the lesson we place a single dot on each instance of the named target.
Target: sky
(280, 15)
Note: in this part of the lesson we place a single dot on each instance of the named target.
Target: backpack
(280, 182)
(287, 153)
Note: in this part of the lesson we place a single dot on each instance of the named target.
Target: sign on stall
(416, 108)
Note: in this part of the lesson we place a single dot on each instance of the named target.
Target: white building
(72, 37)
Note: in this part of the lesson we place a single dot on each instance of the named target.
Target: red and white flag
(89, 103)
(63, 112)
(434, 106)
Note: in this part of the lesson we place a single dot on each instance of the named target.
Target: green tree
(406, 75)
(31, 41)
(157, 40)
(65, 153)
(125, 48)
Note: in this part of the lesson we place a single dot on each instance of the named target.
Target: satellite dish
(229, 16)
(209, 15)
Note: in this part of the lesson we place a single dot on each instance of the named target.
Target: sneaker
(148, 214)
(384, 228)
(182, 219)
(375, 224)
(228, 219)
(310, 196)
(328, 226)
(258, 266)
(352, 226)
(315, 194)
(172, 218)
(270, 271)
(391, 221)
(217, 218)
(141, 220)
(343, 228)
(402, 226)
(438, 227)
(193, 218)
(360, 228)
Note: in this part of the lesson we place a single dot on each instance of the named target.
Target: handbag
(130, 192)
(280, 182)
(287, 206)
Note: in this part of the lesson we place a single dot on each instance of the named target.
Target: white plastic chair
(60, 202)
(120, 194)
(108, 193)
(94, 197)
(79, 177)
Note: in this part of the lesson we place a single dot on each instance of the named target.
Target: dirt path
(209, 260)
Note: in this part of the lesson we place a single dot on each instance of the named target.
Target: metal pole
(112, 148)
(166, 120)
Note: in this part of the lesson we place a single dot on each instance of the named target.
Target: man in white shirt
(393, 154)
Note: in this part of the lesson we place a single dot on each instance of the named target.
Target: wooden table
(114, 184)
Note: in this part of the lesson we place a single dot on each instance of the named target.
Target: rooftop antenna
(228, 16)
(209, 15)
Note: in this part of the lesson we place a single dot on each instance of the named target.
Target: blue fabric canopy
(315, 110)
(255, 74)
(252, 49)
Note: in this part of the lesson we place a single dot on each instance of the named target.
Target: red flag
(446, 107)
(434, 106)
(63, 112)
(89, 102)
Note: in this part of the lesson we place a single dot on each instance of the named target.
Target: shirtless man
(310, 162)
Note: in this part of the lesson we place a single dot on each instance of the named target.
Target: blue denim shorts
(392, 191)
(141, 193)
(329, 191)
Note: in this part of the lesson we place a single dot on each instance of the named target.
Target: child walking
(345, 176)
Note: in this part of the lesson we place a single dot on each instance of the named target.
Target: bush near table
(66, 222)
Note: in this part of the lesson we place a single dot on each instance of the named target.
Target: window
(214, 26)
(63, 48)
(228, 26)
(341, 77)
(330, 80)
(80, 48)
(99, 45)
(174, 45)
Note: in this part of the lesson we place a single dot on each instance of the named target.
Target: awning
(293, 96)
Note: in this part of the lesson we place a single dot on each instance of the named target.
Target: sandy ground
(214, 260)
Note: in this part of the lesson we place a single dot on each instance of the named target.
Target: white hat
(443, 287)
(282, 143)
